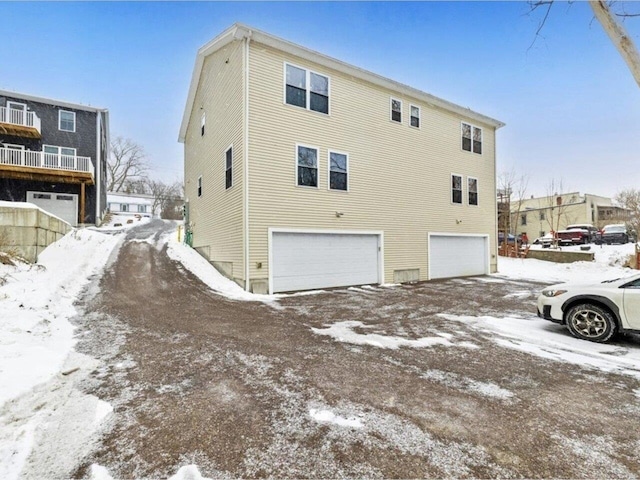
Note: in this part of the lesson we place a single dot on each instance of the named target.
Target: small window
(396, 110)
(203, 121)
(124, 207)
(471, 138)
(523, 219)
(43, 196)
(542, 217)
(307, 166)
(67, 121)
(67, 198)
(472, 190)
(142, 209)
(228, 173)
(306, 89)
(415, 116)
(200, 186)
(338, 171)
(456, 189)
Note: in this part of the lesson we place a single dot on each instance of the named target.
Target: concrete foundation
(560, 256)
(28, 230)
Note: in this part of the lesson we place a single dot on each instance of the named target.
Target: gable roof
(239, 31)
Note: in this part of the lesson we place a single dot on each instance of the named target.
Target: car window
(634, 284)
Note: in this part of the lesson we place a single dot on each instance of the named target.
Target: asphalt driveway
(362, 382)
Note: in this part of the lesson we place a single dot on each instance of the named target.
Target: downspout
(97, 167)
(247, 39)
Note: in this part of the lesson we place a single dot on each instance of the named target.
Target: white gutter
(245, 149)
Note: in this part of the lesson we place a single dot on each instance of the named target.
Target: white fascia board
(239, 31)
(51, 101)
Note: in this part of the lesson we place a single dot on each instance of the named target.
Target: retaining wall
(560, 256)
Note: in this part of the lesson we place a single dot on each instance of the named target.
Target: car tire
(591, 322)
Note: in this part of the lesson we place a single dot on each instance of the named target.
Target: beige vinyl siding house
(376, 159)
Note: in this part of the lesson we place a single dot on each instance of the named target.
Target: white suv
(594, 311)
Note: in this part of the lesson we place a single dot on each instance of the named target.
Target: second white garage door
(458, 256)
(305, 261)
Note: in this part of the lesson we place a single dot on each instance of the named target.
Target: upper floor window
(338, 171)
(200, 186)
(228, 168)
(415, 116)
(307, 89)
(472, 190)
(471, 138)
(396, 110)
(523, 219)
(307, 166)
(456, 189)
(203, 121)
(67, 121)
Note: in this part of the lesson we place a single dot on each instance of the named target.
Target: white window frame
(472, 129)
(308, 73)
(419, 117)
(329, 170)
(203, 121)
(59, 148)
(298, 145)
(199, 186)
(226, 169)
(60, 121)
(461, 189)
(477, 192)
(391, 100)
(13, 146)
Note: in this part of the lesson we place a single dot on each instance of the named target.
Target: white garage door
(304, 261)
(62, 205)
(458, 256)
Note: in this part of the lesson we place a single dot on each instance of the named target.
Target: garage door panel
(457, 256)
(303, 261)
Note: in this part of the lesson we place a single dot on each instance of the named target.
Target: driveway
(401, 381)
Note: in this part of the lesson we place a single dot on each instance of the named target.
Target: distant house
(302, 171)
(131, 204)
(537, 216)
(53, 154)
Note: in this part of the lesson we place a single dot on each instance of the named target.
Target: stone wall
(28, 229)
(560, 256)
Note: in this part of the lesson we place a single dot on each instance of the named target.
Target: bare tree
(128, 163)
(165, 196)
(557, 206)
(612, 27)
(512, 188)
(630, 199)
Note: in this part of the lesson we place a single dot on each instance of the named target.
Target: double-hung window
(306, 89)
(200, 186)
(471, 138)
(456, 189)
(415, 116)
(396, 110)
(338, 171)
(66, 121)
(472, 190)
(307, 166)
(228, 168)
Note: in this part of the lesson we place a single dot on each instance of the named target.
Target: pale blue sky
(571, 107)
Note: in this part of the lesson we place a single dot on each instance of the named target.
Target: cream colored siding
(217, 214)
(399, 177)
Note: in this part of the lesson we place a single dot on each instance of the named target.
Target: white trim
(448, 234)
(477, 192)
(462, 122)
(75, 195)
(272, 230)
(13, 146)
(11, 102)
(329, 152)
(245, 59)
(98, 168)
(451, 189)
(317, 149)
(60, 112)
(203, 123)
(307, 80)
(391, 100)
(230, 147)
(411, 107)
(75, 151)
(199, 189)
(239, 31)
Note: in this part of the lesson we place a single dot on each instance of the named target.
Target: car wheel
(591, 322)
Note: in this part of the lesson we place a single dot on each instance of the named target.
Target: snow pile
(343, 332)
(327, 416)
(608, 264)
(188, 472)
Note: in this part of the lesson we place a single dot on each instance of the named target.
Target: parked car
(577, 234)
(545, 240)
(594, 312)
(613, 234)
(511, 238)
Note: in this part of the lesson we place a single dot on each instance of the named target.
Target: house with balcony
(304, 172)
(53, 154)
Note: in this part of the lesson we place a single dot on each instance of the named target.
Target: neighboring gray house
(54, 154)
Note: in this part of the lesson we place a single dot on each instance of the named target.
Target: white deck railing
(19, 117)
(30, 158)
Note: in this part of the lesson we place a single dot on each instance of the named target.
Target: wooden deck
(46, 174)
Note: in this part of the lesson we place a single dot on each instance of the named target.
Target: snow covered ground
(36, 336)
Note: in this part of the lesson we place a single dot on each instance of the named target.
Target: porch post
(81, 220)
